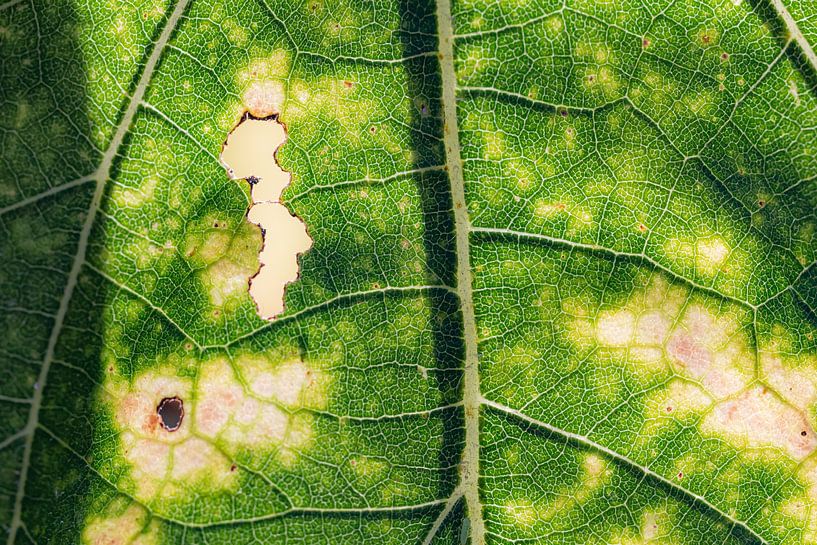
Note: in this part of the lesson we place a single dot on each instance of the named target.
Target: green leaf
(561, 286)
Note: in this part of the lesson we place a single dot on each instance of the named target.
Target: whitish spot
(264, 98)
(758, 418)
(249, 153)
(265, 415)
(156, 451)
(134, 197)
(795, 385)
(176, 434)
(664, 331)
(616, 329)
(649, 527)
(121, 525)
(794, 91)
(228, 257)
(660, 334)
(700, 349)
(711, 253)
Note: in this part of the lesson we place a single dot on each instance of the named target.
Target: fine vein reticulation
(560, 289)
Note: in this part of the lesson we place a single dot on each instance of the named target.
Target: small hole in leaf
(171, 413)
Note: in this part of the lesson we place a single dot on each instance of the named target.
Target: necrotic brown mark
(171, 413)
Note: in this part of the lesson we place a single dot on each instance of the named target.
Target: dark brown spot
(761, 203)
(233, 468)
(804, 433)
(642, 227)
(680, 475)
(348, 84)
(171, 413)
(724, 56)
(645, 43)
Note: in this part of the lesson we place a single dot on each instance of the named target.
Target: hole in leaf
(171, 413)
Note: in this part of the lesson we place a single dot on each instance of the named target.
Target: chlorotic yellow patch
(250, 403)
(226, 257)
(123, 523)
(758, 418)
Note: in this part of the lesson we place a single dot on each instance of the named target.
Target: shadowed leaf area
(561, 284)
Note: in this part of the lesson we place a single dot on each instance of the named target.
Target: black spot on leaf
(171, 413)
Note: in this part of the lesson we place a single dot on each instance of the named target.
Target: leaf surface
(561, 287)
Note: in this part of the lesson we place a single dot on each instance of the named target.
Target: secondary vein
(100, 177)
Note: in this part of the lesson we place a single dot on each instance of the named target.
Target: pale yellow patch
(554, 24)
(705, 348)
(595, 472)
(367, 469)
(521, 513)
(615, 328)
(276, 65)
(128, 526)
(262, 416)
(228, 259)
(602, 79)
(226, 279)
(758, 419)
(802, 508)
(259, 409)
(701, 104)
(545, 209)
(795, 385)
(249, 154)
(680, 398)
(134, 197)
(711, 254)
(494, 142)
(156, 455)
